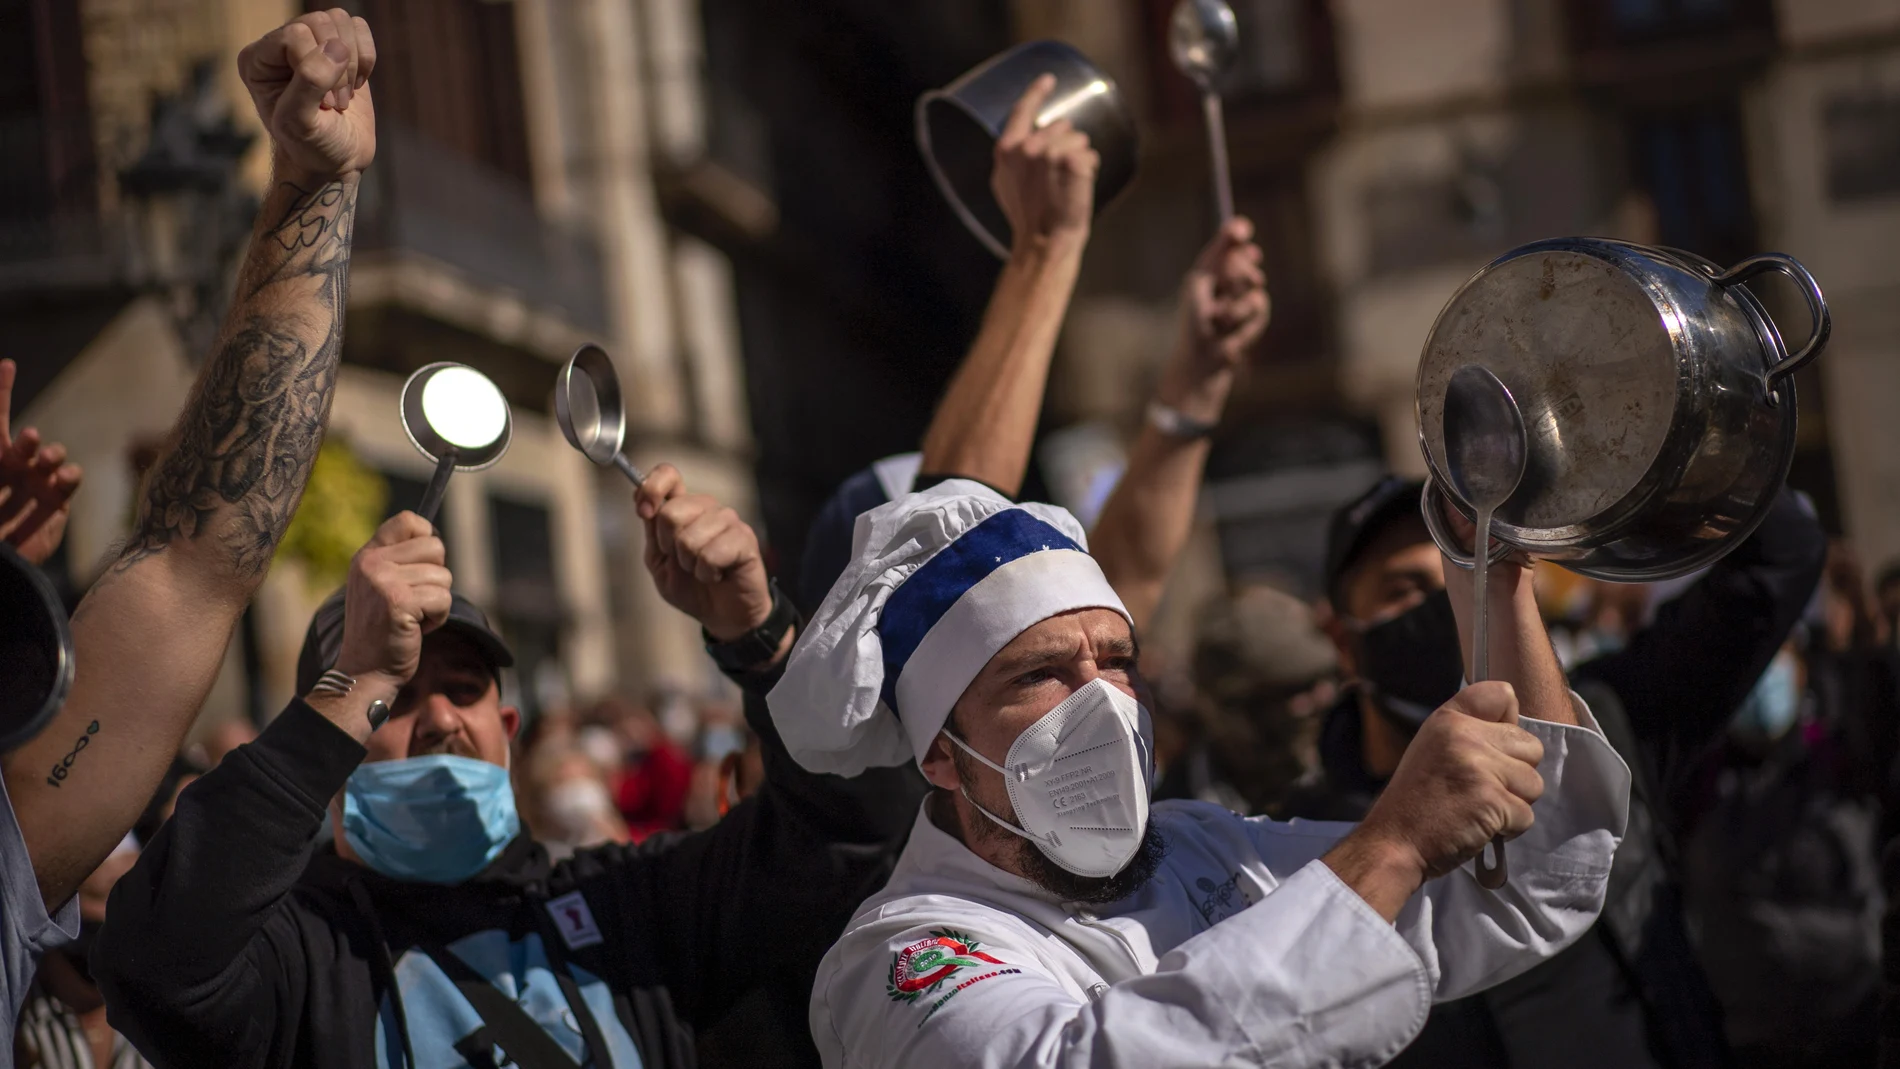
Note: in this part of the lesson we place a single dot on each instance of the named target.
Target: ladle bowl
(1203, 38)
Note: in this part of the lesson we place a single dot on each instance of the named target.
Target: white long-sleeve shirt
(1245, 949)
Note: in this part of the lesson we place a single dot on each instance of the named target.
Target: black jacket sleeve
(201, 960)
(1683, 676)
(748, 907)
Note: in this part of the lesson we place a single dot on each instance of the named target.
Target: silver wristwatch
(339, 684)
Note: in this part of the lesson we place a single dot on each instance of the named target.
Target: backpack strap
(508, 1024)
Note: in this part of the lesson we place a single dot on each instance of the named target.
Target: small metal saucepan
(1656, 392)
(957, 128)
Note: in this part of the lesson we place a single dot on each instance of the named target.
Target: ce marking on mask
(65, 764)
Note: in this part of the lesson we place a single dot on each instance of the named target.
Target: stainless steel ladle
(1203, 38)
(457, 417)
(588, 407)
(1485, 452)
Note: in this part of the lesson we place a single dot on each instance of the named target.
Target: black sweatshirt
(234, 942)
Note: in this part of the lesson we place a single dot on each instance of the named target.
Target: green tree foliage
(340, 511)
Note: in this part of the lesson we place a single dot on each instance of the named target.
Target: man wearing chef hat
(1043, 915)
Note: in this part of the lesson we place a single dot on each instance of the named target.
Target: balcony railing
(422, 198)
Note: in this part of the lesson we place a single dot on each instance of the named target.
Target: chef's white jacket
(1245, 949)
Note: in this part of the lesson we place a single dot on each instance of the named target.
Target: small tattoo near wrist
(64, 767)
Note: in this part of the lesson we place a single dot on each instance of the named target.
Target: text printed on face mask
(1056, 781)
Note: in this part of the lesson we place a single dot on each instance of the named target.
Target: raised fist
(1469, 775)
(703, 557)
(310, 82)
(1224, 305)
(398, 592)
(1044, 179)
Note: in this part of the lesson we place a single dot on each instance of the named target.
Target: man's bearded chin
(1039, 869)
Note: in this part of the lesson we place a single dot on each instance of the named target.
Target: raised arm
(1045, 181)
(152, 632)
(1147, 519)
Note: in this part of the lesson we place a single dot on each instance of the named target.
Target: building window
(527, 602)
(1861, 134)
(1692, 166)
(1649, 15)
(1600, 25)
(47, 167)
(450, 71)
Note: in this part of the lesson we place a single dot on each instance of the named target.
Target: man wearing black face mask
(1629, 993)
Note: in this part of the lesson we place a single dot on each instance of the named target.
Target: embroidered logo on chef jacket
(925, 966)
(922, 967)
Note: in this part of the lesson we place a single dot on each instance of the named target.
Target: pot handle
(1432, 508)
(1822, 323)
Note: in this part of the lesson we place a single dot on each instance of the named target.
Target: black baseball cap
(1354, 526)
(322, 642)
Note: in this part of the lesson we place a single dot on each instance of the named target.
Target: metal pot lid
(1587, 352)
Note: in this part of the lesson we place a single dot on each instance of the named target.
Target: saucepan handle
(1810, 290)
(1433, 509)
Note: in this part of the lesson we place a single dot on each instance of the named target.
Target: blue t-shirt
(442, 1025)
(27, 932)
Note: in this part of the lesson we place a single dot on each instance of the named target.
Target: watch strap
(1177, 424)
(758, 645)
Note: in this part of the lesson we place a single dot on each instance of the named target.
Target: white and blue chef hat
(939, 581)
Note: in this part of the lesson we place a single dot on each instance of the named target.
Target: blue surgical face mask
(1772, 707)
(434, 819)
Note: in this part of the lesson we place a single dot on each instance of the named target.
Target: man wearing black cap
(437, 933)
(1630, 994)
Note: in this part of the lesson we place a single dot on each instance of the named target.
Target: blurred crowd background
(727, 194)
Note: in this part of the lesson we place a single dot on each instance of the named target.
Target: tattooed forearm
(237, 463)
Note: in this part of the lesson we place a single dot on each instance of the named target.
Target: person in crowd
(1887, 597)
(1631, 993)
(567, 803)
(435, 933)
(152, 631)
(63, 1024)
(1042, 914)
(653, 773)
(1780, 861)
(222, 740)
(1262, 673)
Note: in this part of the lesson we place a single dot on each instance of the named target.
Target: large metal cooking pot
(957, 128)
(36, 653)
(1656, 393)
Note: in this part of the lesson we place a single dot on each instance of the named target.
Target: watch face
(378, 712)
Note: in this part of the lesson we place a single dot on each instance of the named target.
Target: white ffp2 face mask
(1079, 779)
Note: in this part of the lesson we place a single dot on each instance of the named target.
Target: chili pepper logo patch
(920, 968)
